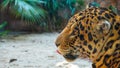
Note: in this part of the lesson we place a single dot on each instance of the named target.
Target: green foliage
(95, 4)
(53, 6)
(2, 28)
(4, 33)
(58, 10)
(113, 8)
(3, 25)
(80, 2)
(28, 10)
(45, 13)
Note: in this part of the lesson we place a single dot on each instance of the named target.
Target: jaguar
(94, 34)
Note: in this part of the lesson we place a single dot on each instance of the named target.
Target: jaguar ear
(103, 27)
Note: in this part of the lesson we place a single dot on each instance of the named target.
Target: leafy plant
(3, 25)
(2, 28)
(113, 8)
(27, 10)
(58, 10)
(53, 6)
(46, 13)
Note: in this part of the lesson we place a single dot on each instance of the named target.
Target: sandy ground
(34, 51)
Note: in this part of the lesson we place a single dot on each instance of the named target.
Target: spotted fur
(93, 33)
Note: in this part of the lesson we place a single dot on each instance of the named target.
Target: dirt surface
(34, 51)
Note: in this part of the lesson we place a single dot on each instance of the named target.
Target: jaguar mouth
(70, 57)
(58, 52)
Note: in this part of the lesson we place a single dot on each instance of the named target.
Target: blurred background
(43, 15)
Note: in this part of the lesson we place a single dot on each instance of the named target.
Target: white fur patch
(108, 24)
(66, 64)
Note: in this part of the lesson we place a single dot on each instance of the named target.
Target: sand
(34, 51)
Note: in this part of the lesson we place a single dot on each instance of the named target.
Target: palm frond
(28, 10)
(5, 3)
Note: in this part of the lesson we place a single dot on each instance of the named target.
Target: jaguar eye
(57, 44)
(71, 37)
